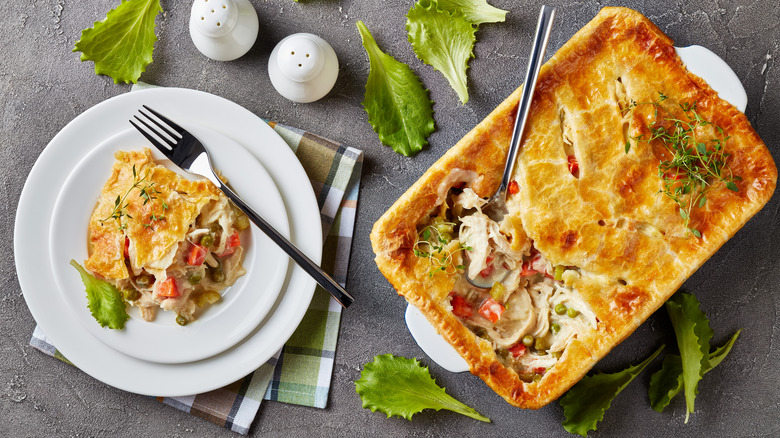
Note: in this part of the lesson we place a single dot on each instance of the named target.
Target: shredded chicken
(528, 303)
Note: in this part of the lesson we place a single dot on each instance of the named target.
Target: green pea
(217, 274)
(538, 377)
(540, 345)
(131, 294)
(573, 313)
(555, 327)
(560, 309)
(557, 354)
(207, 240)
(528, 340)
(143, 280)
(196, 278)
(181, 320)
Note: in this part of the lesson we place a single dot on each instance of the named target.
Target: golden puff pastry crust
(629, 241)
(152, 228)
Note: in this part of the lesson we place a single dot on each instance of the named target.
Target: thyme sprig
(433, 243)
(696, 164)
(146, 190)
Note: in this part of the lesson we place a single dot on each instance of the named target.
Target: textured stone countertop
(44, 86)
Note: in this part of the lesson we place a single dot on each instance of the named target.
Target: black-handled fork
(187, 152)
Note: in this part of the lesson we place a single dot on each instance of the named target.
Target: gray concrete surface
(44, 86)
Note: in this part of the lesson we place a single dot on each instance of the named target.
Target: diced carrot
(168, 288)
(460, 306)
(232, 243)
(513, 188)
(517, 350)
(491, 310)
(574, 166)
(197, 255)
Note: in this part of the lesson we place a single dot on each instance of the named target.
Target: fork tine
(150, 137)
(166, 129)
(170, 123)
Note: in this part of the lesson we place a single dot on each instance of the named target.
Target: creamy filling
(530, 315)
(198, 280)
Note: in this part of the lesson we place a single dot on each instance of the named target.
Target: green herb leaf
(443, 40)
(475, 11)
(693, 167)
(121, 46)
(398, 106)
(104, 300)
(693, 332)
(584, 404)
(667, 382)
(402, 387)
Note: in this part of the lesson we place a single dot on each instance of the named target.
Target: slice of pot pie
(164, 240)
(632, 173)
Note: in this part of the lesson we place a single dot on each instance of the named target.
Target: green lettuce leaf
(586, 402)
(121, 45)
(398, 106)
(104, 300)
(442, 40)
(402, 387)
(475, 11)
(667, 382)
(693, 332)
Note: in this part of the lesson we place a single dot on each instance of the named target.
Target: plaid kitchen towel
(301, 372)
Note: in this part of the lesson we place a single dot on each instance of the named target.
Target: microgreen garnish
(695, 165)
(433, 243)
(146, 190)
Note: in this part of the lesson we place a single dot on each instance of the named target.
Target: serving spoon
(495, 208)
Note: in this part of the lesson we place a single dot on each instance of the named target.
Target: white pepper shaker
(223, 30)
(303, 67)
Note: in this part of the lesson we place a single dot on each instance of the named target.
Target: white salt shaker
(303, 67)
(223, 30)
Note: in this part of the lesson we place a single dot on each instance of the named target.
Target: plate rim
(244, 127)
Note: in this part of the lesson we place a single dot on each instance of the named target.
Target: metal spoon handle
(543, 27)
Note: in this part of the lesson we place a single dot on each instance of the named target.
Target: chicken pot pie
(632, 173)
(166, 241)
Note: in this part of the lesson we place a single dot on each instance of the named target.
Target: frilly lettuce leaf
(398, 106)
(667, 382)
(442, 40)
(121, 45)
(693, 332)
(475, 11)
(586, 402)
(104, 300)
(397, 386)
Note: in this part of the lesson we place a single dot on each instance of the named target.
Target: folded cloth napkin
(301, 372)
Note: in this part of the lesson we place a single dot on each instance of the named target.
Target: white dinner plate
(245, 303)
(40, 289)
